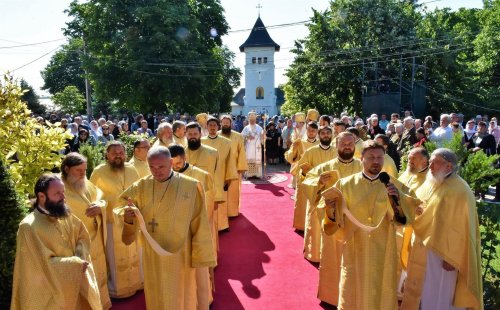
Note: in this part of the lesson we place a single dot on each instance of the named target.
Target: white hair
(409, 119)
(448, 156)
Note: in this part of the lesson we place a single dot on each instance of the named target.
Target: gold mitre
(300, 117)
(313, 115)
(252, 115)
(202, 118)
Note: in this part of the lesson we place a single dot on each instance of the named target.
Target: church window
(259, 60)
(265, 60)
(259, 93)
(254, 60)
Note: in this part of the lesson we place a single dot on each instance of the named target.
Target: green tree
(14, 209)
(65, 68)
(152, 55)
(327, 70)
(70, 100)
(28, 148)
(31, 98)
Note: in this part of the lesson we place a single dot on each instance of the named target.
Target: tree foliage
(27, 147)
(327, 70)
(70, 100)
(156, 55)
(457, 53)
(31, 98)
(65, 68)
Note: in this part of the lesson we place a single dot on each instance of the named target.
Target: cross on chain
(153, 223)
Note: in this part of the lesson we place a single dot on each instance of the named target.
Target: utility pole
(87, 87)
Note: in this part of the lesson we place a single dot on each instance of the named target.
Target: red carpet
(260, 261)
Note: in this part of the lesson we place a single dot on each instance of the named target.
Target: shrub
(26, 147)
(94, 155)
(13, 210)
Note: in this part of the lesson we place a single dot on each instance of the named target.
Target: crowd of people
(381, 237)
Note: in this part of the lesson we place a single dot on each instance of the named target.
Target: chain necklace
(153, 222)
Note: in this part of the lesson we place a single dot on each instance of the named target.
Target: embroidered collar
(324, 148)
(213, 138)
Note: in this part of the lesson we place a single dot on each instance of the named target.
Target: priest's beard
(117, 164)
(226, 130)
(166, 141)
(194, 144)
(325, 142)
(56, 209)
(437, 179)
(78, 184)
(346, 155)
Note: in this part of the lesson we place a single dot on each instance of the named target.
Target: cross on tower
(259, 7)
(153, 223)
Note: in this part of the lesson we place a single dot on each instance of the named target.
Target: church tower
(260, 92)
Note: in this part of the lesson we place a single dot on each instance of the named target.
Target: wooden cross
(259, 7)
(153, 223)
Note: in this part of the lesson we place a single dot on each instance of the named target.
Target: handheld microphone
(385, 178)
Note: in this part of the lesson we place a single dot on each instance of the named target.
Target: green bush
(13, 210)
(479, 171)
(94, 154)
(489, 219)
(129, 141)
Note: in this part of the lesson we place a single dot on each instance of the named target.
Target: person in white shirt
(443, 133)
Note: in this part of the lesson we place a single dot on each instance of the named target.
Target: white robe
(439, 285)
(253, 149)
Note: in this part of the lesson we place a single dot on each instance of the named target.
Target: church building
(260, 94)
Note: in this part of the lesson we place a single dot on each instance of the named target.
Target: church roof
(239, 97)
(259, 37)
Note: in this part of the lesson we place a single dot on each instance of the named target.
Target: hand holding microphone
(393, 193)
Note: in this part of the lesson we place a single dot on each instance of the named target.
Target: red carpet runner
(260, 262)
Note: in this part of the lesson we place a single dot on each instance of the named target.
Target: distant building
(260, 94)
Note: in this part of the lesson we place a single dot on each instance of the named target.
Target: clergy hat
(313, 115)
(300, 117)
(252, 115)
(202, 118)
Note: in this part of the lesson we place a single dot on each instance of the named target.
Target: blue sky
(34, 21)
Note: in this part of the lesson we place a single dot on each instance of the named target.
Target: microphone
(385, 178)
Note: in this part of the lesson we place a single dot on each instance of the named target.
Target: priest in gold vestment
(313, 157)
(413, 177)
(180, 165)
(141, 148)
(364, 219)
(53, 268)
(293, 156)
(205, 158)
(238, 163)
(164, 135)
(445, 271)
(223, 173)
(172, 206)
(85, 201)
(317, 180)
(179, 133)
(113, 177)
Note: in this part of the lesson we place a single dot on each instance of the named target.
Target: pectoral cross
(153, 223)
